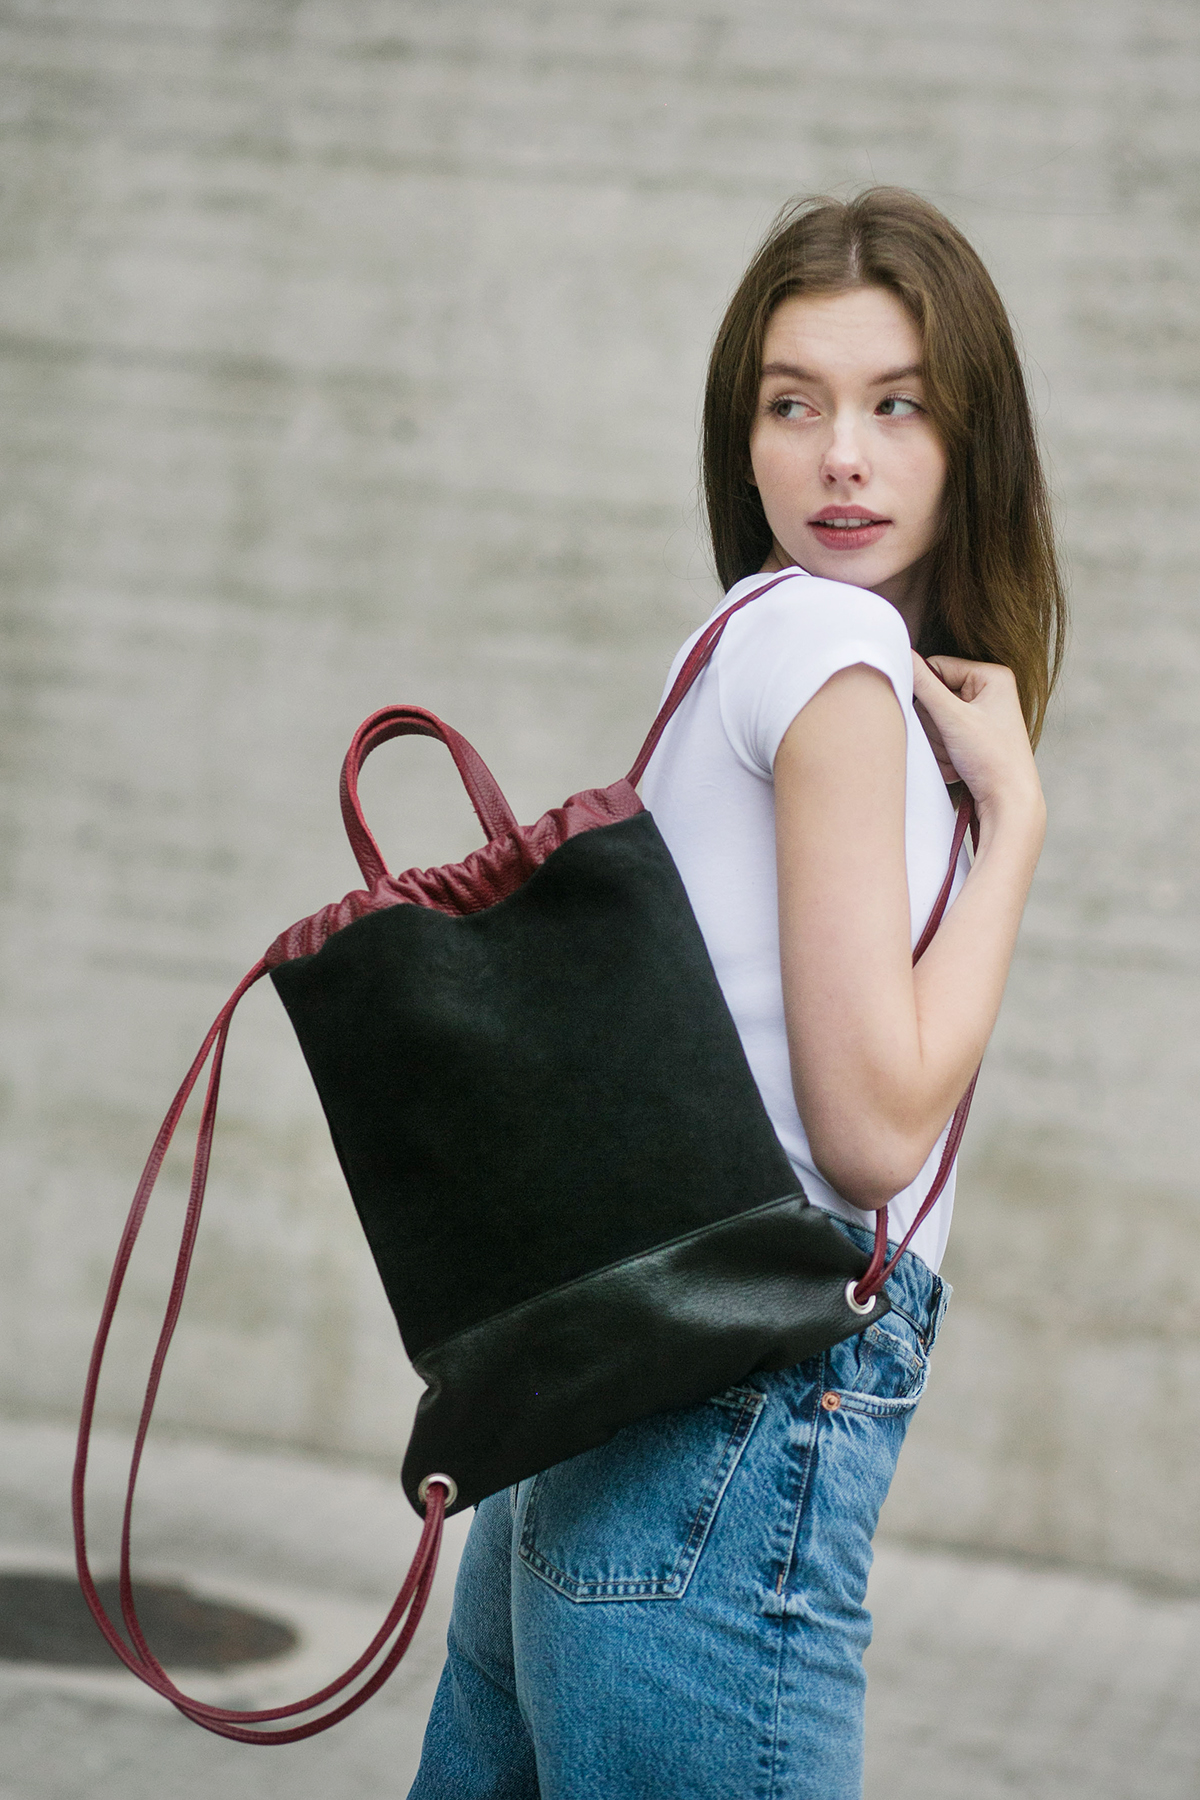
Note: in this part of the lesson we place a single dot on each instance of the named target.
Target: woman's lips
(857, 534)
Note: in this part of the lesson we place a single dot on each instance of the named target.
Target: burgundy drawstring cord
(140, 1659)
(879, 1268)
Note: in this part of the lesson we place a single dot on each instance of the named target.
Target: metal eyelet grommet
(861, 1307)
(446, 1481)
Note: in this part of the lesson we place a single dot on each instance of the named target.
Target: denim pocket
(881, 1370)
(628, 1521)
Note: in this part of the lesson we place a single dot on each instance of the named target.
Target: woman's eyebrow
(793, 372)
(898, 375)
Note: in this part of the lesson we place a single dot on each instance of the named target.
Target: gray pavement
(987, 1680)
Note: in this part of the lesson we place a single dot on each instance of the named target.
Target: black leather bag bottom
(563, 1372)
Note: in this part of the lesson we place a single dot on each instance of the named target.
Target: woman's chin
(856, 567)
(864, 568)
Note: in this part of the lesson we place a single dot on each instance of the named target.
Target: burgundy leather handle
(491, 808)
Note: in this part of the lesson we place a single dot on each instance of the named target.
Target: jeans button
(831, 1401)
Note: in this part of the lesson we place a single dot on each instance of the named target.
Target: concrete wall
(352, 353)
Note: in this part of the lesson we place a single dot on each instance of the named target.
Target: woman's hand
(972, 717)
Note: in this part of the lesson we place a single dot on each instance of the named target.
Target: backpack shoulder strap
(697, 659)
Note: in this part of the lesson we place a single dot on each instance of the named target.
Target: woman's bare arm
(881, 1052)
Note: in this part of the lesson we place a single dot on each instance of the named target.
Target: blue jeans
(680, 1614)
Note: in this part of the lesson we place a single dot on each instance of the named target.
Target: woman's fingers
(946, 684)
(952, 670)
(938, 690)
(976, 712)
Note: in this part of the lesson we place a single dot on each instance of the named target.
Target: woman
(681, 1613)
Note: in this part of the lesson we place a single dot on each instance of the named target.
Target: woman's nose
(845, 458)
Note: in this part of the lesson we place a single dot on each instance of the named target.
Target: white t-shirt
(710, 787)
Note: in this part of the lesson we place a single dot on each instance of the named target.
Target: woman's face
(845, 458)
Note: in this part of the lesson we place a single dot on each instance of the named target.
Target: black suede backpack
(578, 1205)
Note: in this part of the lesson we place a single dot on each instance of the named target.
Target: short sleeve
(779, 651)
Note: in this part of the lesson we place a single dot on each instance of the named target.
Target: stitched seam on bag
(623, 1262)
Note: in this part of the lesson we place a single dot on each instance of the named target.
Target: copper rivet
(831, 1402)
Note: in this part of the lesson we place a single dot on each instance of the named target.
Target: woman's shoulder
(807, 614)
(786, 644)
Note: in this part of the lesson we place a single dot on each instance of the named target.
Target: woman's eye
(790, 409)
(898, 406)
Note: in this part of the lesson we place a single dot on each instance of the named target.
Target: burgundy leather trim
(487, 876)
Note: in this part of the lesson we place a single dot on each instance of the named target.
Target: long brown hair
(995, 593)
